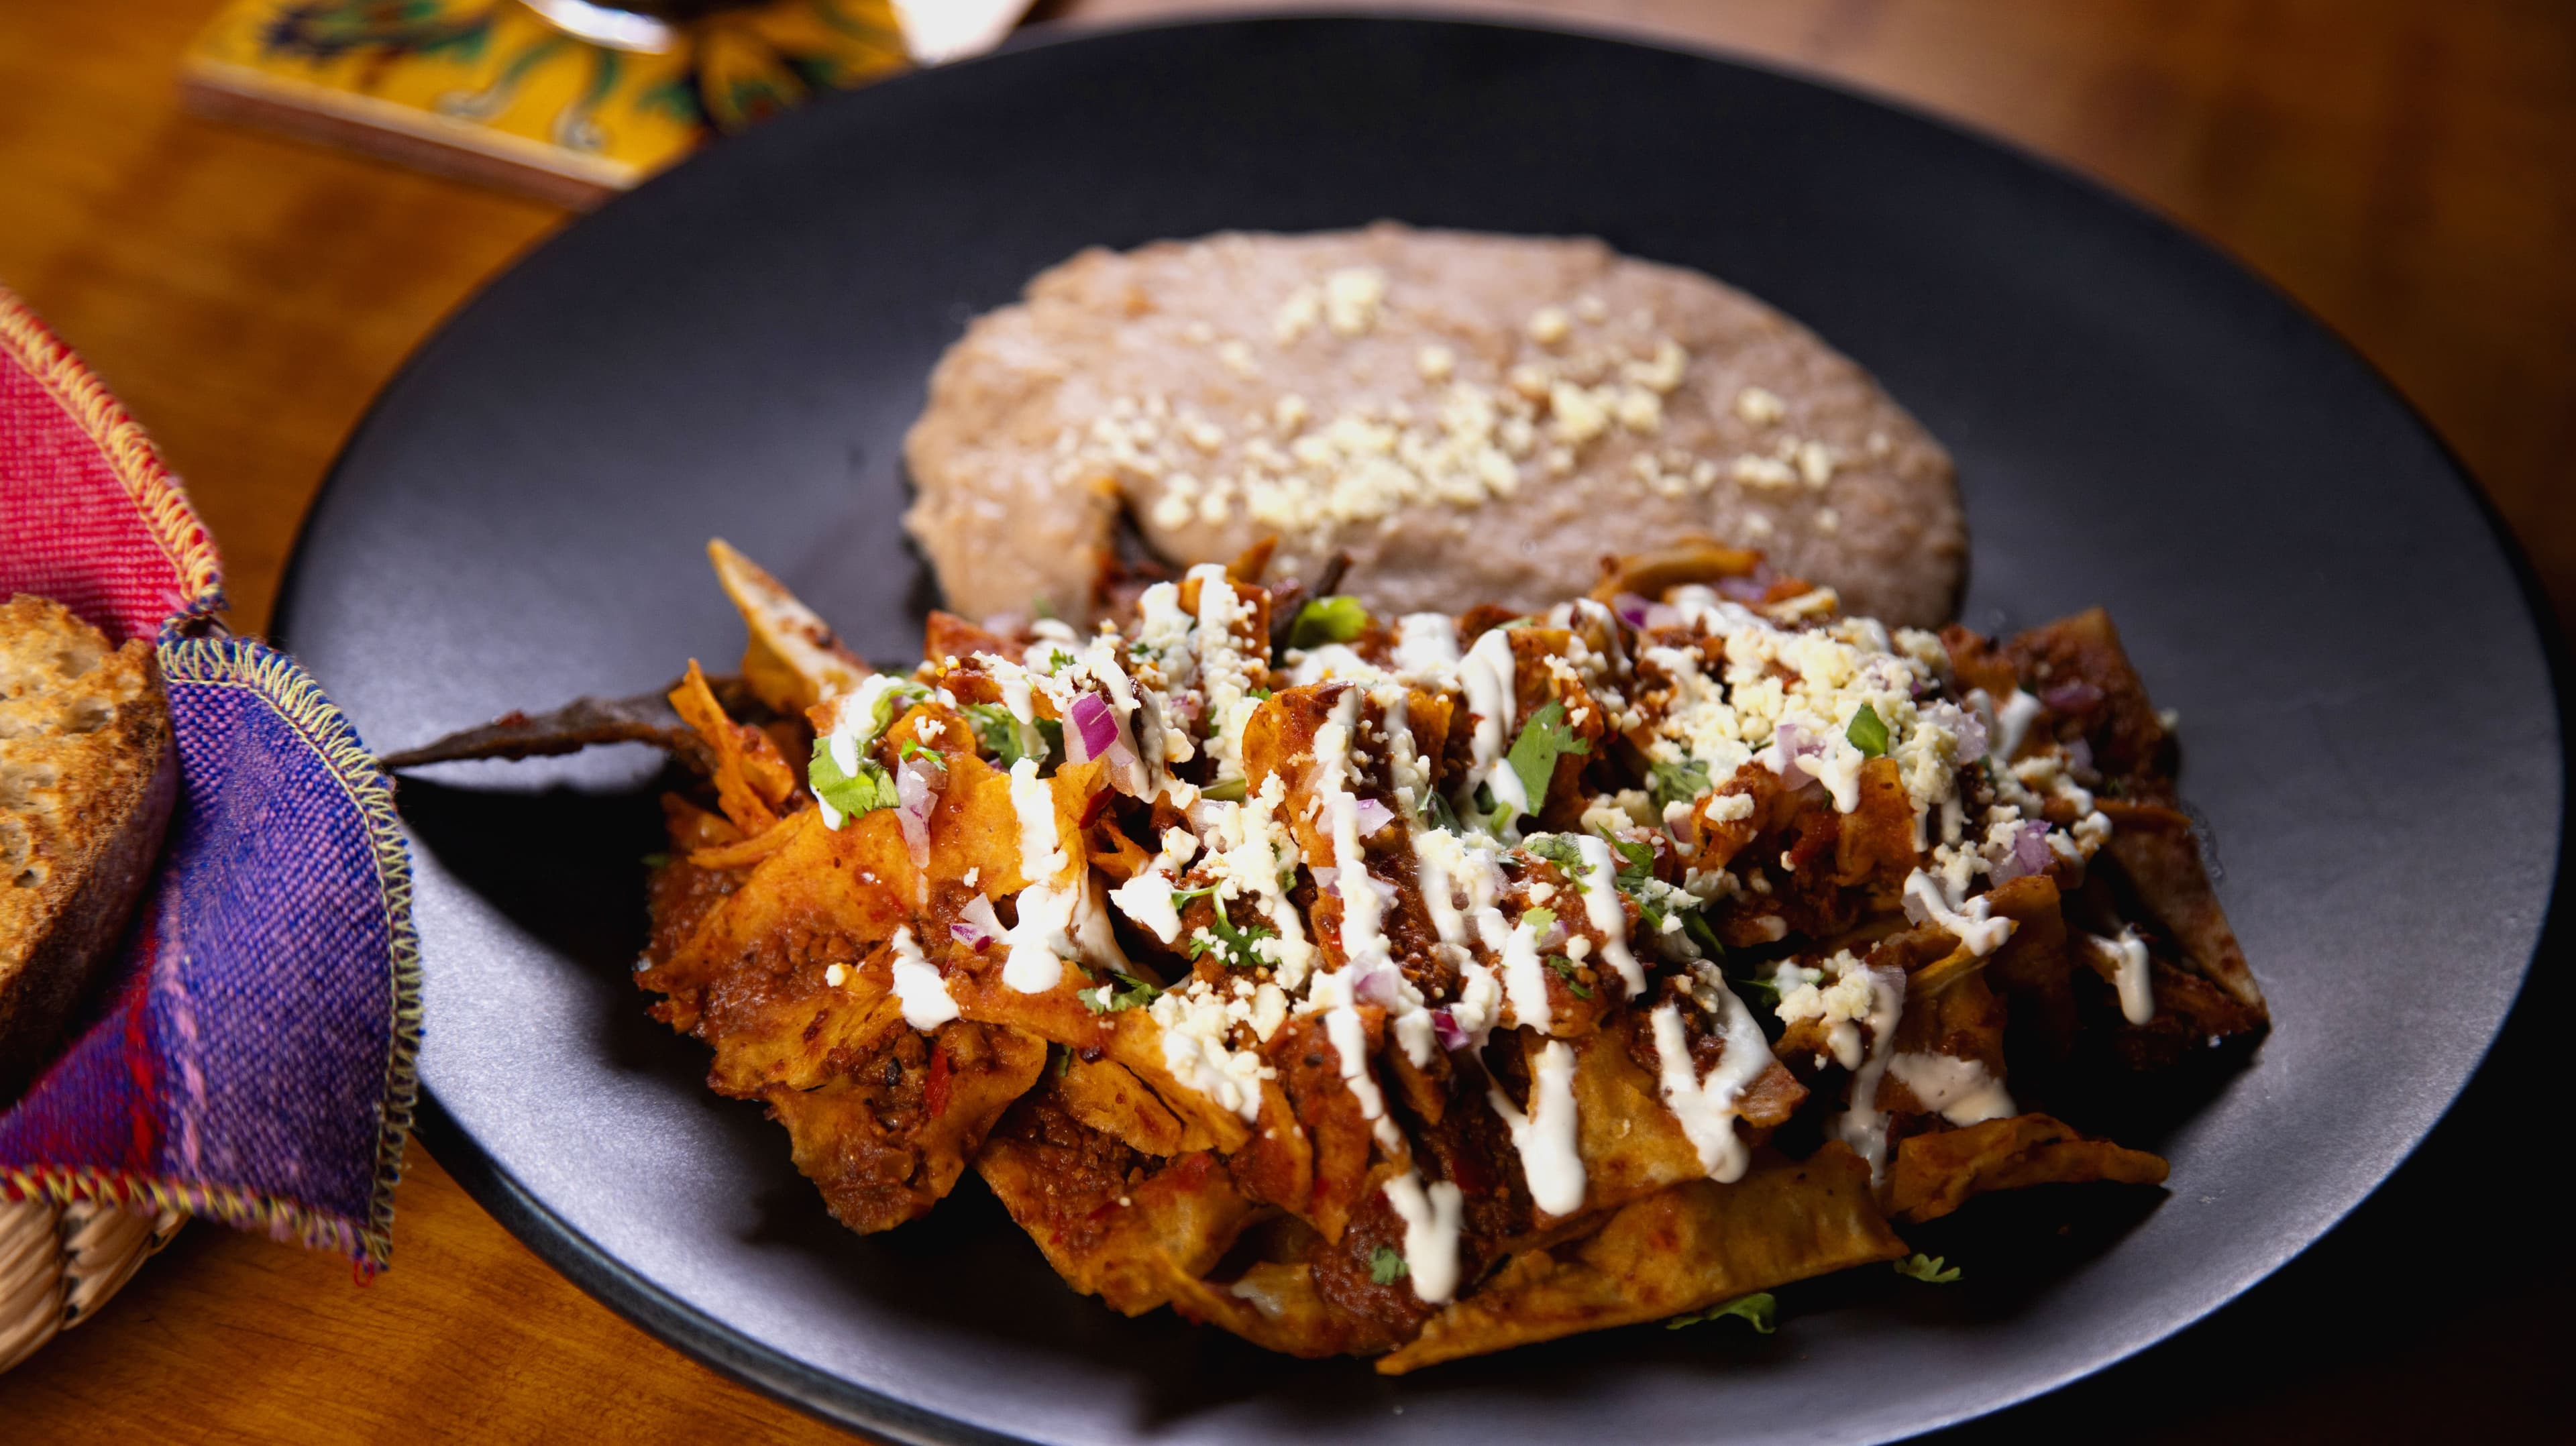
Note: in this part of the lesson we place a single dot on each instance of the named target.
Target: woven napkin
(250, 1059)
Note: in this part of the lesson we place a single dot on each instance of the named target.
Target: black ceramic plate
(736, 350)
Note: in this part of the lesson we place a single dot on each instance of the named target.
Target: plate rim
(838, 1401)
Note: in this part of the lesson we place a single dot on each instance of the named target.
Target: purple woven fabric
(252, 1058)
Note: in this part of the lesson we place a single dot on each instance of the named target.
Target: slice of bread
(87, 778)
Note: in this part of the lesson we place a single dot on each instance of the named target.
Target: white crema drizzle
(1047, 906)
(1431, 1219)
(1707, 1106)
(1546, 1136)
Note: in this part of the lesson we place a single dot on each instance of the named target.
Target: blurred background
(245, 213)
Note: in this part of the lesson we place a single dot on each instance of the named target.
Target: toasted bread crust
(87, 780)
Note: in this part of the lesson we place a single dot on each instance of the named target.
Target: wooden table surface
(2407, 170)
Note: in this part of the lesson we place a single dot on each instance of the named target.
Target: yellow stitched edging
(130, 454)
(282, 1219)
(288, 689)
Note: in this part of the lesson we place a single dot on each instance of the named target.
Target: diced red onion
(2079, 755)
(1374, 816)
(977, 925)
(1444, 1027)
(1327, 878)
(2071, 697)
(1093, 728)
(1382, 986)
(2029, 854)
(1791, 746)
(1971, 729)
(916, 789)
(1663, 615)
(1125, 774)
(1182, 710)
(1386, 893)
(1750, 588)
(1632, 609)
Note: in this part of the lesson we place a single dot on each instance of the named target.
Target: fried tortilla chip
(886, 1139)
(792, 661)
(1681, 1249)
(1934, 1174)
(1114, 1222)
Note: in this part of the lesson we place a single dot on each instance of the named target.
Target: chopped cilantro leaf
(1758, 1310)
(1868, 732)
(1233, 946)
(1444, 815)
(997, 731)
(1544, 738)
(1129, 992)
(1764, 988)
(1650, 913)
(1539, 920)
(1636, 861)
(1387, 1265)
(1564, 968)
(1182, 897)
(1231, 790)
(657, 861)
(1701, 934)
(1058, 660)
(1041, 607)
(1562, 852)
(1052, 730)
(1328, 620)
(1257, 695)
(1927, 1268)
(1678, 782)
(915, 748)
(871, 790)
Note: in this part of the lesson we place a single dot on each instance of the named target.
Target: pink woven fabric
(88, 514)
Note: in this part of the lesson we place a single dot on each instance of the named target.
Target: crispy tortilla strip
(1680, 1249)
(1311, 1297)
(948, 636)
(1631, 1144)
(1339, 1137)
(2191, 1014)
(742, 801)
(1108, 1097)
(2160, 860)
(1277, 1165)
(1274, 1305)
(1976, 663)
(1876, 841)
(743, 853)
(792, 661)
(887, 1140)
(1113, 1222)
(644, 718)
(1689, 560)
(2031, 902)
(2120, 724)
(1935, 1174)
(827, 896)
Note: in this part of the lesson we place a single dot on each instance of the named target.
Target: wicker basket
(60, 1263)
